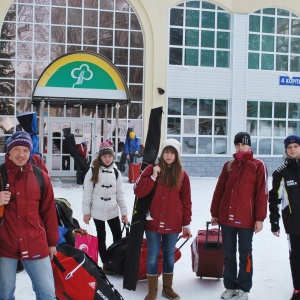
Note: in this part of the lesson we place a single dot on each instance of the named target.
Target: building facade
(216, 68)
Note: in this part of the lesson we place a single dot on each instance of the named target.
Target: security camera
(161, 91)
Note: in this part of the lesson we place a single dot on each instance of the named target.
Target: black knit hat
(292, 139)
(242, 137)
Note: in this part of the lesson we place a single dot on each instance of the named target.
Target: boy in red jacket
(239, 205)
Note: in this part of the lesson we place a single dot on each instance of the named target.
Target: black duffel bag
(117, 253)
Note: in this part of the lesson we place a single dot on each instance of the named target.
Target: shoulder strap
(229, 166)
(115, 170)
(3, 177)
(39, 176)
(116, 173)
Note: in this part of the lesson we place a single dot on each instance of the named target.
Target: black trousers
(295, 259)
(115, 227)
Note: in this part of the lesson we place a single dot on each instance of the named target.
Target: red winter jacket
(29, 225)
(170, 208)
(241, 195)
(82, 149)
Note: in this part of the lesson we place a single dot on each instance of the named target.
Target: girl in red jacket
(169, 214)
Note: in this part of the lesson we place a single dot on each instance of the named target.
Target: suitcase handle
(183, 243)
(217, 244)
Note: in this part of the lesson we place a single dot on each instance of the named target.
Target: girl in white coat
(103, 197)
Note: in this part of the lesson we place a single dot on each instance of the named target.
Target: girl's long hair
(170, 174)
(96, 167)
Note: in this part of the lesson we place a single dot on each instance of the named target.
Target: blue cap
(291, 139)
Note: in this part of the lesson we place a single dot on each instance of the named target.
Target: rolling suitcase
(134, 172)
(207, 253)
(142, 273)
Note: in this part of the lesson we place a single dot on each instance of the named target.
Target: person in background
(169, 214)
(239, 205)
(29, 228)
(103, 197)
(285, 193)
(132, 147)
(83, 151)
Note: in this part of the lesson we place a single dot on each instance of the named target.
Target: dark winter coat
(170, 208)
(29, 225)
(131, 145)
(241, 194)
(286, 192)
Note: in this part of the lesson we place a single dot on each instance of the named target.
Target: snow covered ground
(271, 280)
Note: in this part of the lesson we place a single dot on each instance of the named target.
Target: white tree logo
(81, 73)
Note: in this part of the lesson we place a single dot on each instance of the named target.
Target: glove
(275, 227)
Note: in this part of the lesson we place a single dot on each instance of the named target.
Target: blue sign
(285, 80)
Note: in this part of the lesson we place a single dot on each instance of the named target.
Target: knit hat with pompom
(106, 148)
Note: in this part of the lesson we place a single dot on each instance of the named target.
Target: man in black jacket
(285, 192)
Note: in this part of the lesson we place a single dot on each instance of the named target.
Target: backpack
(36, 170)
(65, 220)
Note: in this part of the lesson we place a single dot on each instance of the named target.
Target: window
(34, 33)
(269, 123)
(200, 124)
(274, 40)
(199, 35)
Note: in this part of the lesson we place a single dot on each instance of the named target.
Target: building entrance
(59, 162)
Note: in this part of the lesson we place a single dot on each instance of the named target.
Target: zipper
(69, 275)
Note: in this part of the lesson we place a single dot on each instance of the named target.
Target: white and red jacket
(170, 208)
(241, 194)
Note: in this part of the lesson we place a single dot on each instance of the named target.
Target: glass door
(63, 136)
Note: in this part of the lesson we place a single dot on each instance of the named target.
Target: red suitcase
(142, 274)
(208, 253)
(134, 171)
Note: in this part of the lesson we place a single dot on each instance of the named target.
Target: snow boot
(152, 287)
(167, 287)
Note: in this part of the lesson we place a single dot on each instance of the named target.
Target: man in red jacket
(29, 229)
(239, 205)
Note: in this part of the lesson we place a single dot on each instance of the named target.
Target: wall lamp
(161, 91)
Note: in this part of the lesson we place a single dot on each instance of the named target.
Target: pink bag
(87, 243)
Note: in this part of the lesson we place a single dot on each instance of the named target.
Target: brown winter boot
(152, 287)
(167, 287)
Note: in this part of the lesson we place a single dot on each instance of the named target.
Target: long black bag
(140, 206)
(78, 277)
(117, 253)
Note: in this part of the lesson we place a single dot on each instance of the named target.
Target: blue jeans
(154, 242)
(244, 236)
(39, 271)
